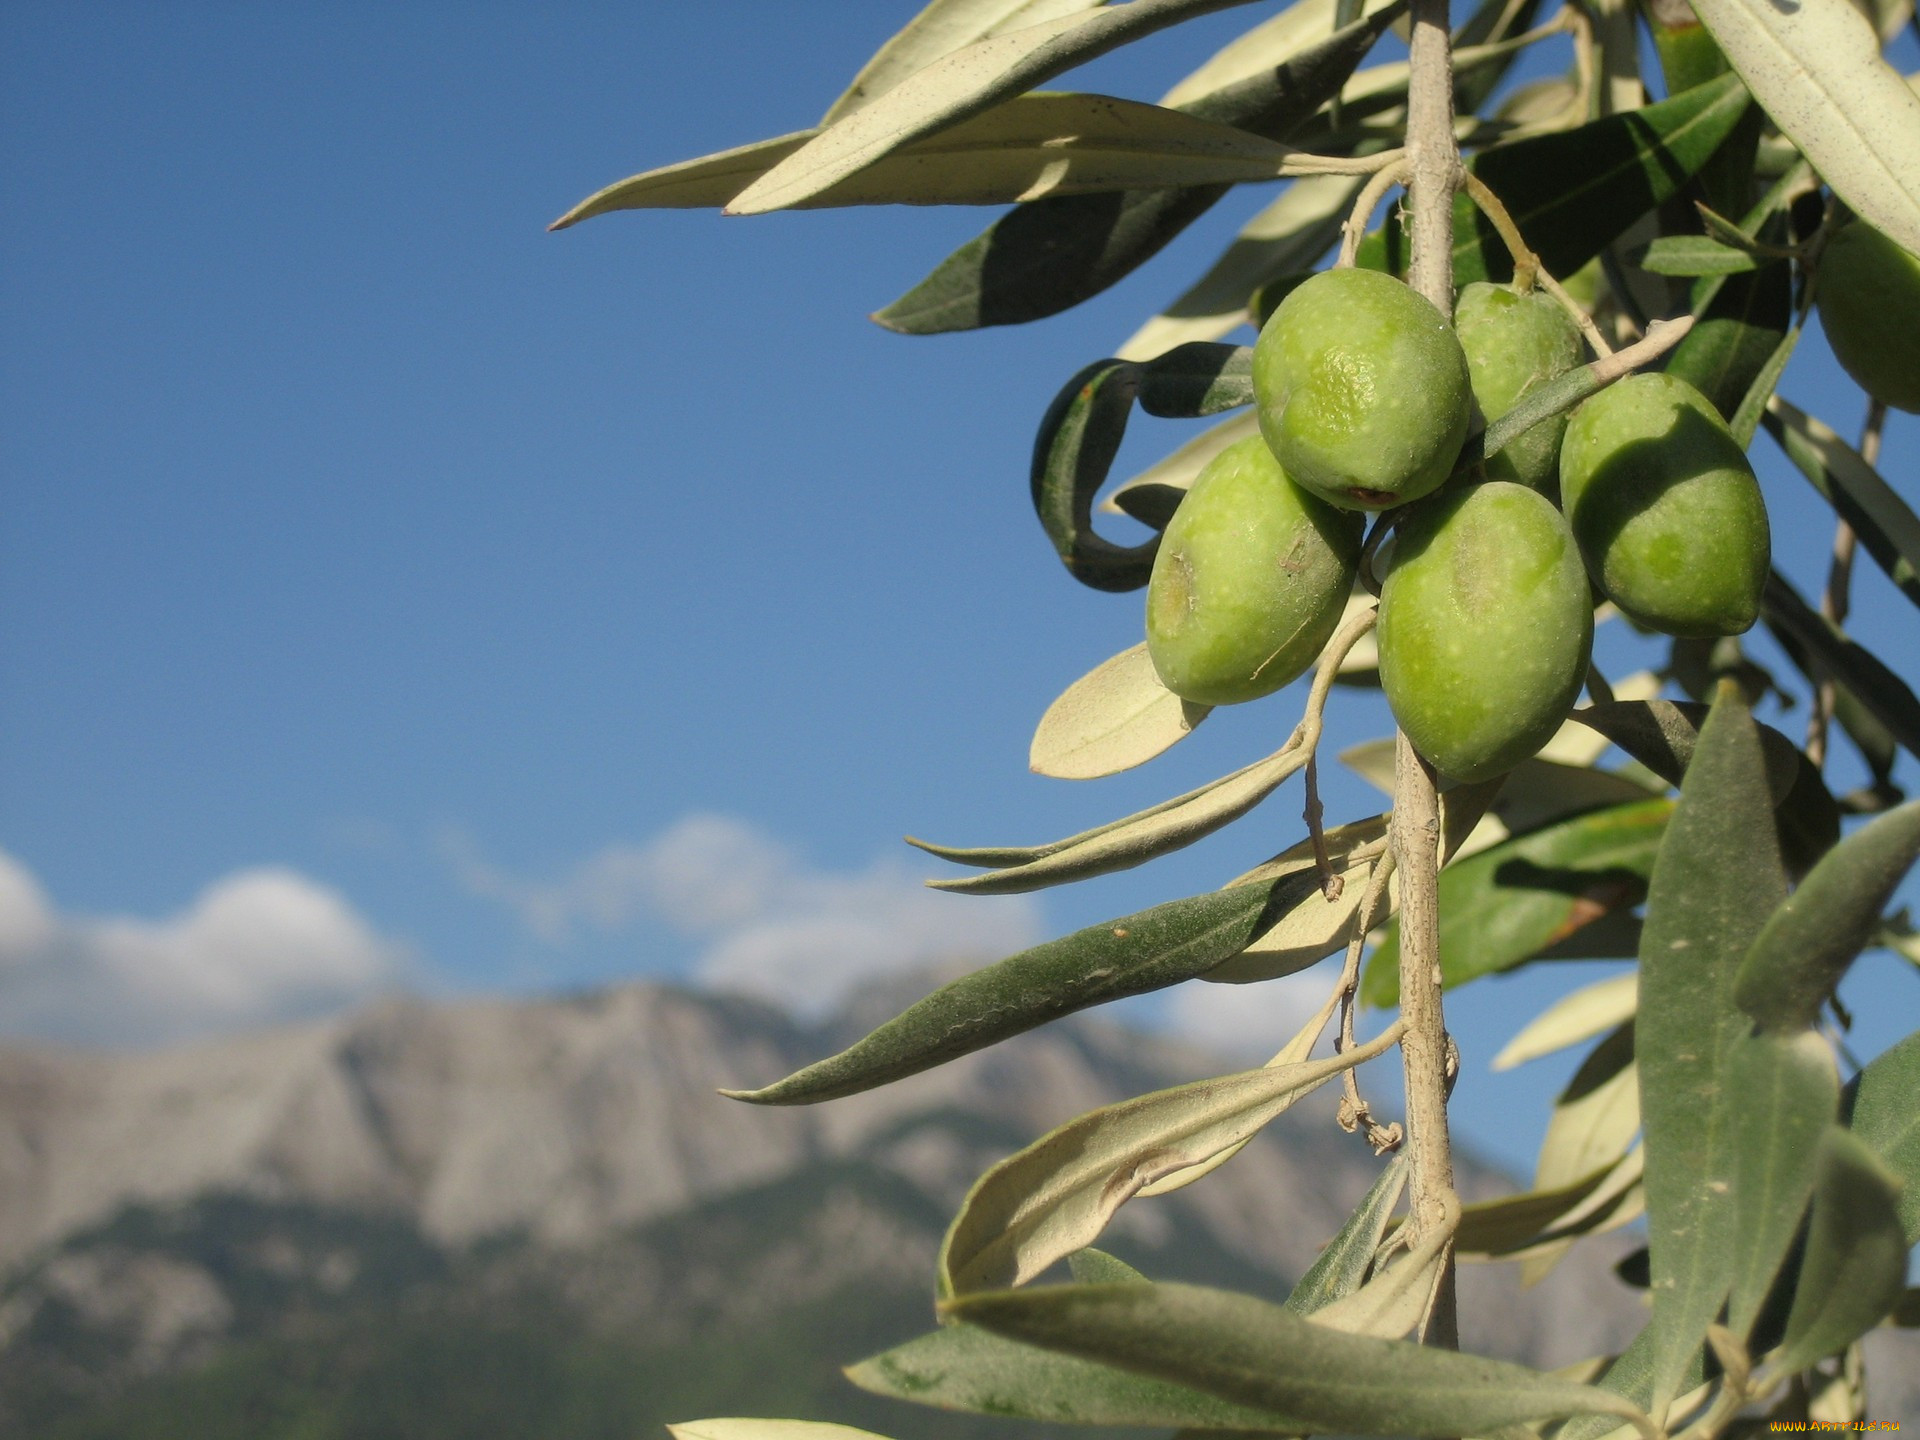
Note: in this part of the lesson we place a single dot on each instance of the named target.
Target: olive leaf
(1886, 1115)
(1048, 255)
(1693, 255)
(1257, 1354)
(1096, 1267)
(1745, 419)
(1592, 1126)
(1817, 72)
(1661, 735)
(1855, 1268)
(1058, 1194)
(940, 29)
(1079, 436)
(1271, 43)
(1738, 328)
(1621, 167)
(1811, 939)
(1506, 904)
(1630, 1375)
(1821, 648)
(1572, 1018)
(956, 87)
(1515, 1226)
(1151, 496)
(1146, 951)
(1342, 1266)
(1717, 877)
(1114, 717)
(750, 1429)
(962, 1367)
(1787, 1091)
(1888, 529)
(1312, 930)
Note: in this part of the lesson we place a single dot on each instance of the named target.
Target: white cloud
(261, 945)
(763, 921)
(1247, 1022)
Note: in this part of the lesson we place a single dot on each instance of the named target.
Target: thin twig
(1330, 884)
(1354, 1112)
(1598, 690)
(1661, 336)
(1363, 206)
(1415, 826)
(1579, 313)
(1837, 600)
(1525, 263)
(1305, 162)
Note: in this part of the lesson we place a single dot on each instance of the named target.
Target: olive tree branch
(1370, 195)
(1434, 164)
(1354, 1112)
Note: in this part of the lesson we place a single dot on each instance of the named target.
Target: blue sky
(441, 590)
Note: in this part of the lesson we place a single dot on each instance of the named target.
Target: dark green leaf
(1130, 956)
(962, 1367)
(1079, 436)
(1097, 1267)
(1717, 878)
(1886, 1114)
(1197, 379)
(1511, 901)
(1630, 1375)
(1343, 1264)
(1047, 256)
(1737, 330)
(1820, 648)
(1661, 734)
(1886, 526)
(1689, 255)
(1257, 1354)
(1856, 1262)
(1745, 419)
(1809, 942)
(1785, 1092)
(1621, 166)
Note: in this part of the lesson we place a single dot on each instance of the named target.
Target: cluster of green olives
(1365, 396)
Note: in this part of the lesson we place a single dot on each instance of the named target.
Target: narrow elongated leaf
(1690, 255)
(1624, 166)
(1739, 327)
(1717, 877)
(1585, 1013)
(1097, 1267)
(942, 28)
(1630, 1376)
(1058, 1194)
(956, 87)
(1342, 1266)
(1145, 951)
(751, 1429)
(1745, 419)
(1048, 255)
(1397, 1297)
(1271, 43)
(1661, 734)
(1154, 833)
(962, 1367)
(1079, 436)
(1512, 1224)
(1813, 937)
(1114, 717)
(1506, 904)
(1856, 1262)
(1786, 1093)
(1258, 1354)
(1197, 379)
(1817, 71)
(1814, 641)
(1888, 529)
(1592, 1126)
(1886, 1115)
(1152, 496)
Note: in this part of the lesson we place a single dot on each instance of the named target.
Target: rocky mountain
(500, 1217)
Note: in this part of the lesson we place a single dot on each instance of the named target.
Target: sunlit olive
(1249, 582)
(1869, 299)
(1362, 389)
(1516, 343)
(1486, 627)
(1666, 508)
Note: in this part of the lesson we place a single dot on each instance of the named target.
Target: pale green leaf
(1786, 1091)
(1592, 1126)
(1888, 529)
(1097, 1267)
(1058, 1194)
(1397, 1297)
(1114, 717)
(1745, 420)
(940, 29)
(1886, 1115)
(1254, 1353)
(1342, 1266)
(751, 1429)
(1855, 1268)
(1691, 255)
(1271, 43)
(960, 85)
(1717, 877)
(1150, 496)
(707, 182)
(1572, 1018)
(1809, 942)
(1816, 70)
(1130, 956)
(1517, 1225)
(961, 1367)
(1661, 734)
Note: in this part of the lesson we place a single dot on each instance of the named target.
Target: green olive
(1486, 627)
(1250, 580)
(1666, 508)
(1869, 300)
(1516, 343)
(1362, 389)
